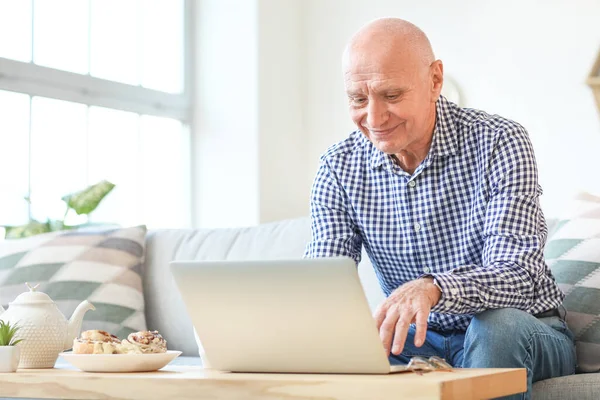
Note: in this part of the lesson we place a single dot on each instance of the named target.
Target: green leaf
(30, 229)
(86, 201)
(56, 225)
(8, 333)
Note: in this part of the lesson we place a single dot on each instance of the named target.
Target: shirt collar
(443, 142)
(378, 157)
(444, 139)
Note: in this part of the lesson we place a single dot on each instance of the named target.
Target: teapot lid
(32, 297)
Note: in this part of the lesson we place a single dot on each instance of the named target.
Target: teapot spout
(75, 323)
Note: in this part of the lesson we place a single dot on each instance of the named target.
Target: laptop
(291, 316)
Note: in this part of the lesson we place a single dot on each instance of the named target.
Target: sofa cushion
(103, 266)
(580, 387)
(573, 254)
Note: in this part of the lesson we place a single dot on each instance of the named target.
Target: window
(93, 90)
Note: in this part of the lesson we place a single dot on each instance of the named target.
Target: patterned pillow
(103, 266)
(573, 254)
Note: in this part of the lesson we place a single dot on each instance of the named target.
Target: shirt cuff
(452, 291)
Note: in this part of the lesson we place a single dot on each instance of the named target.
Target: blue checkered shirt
(469, 216)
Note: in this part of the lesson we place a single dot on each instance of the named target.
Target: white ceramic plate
(120, 362)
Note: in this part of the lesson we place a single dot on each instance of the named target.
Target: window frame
(36, 80)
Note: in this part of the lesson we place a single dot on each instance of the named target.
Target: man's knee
(499, 327)
(504, 318)
(497, 338)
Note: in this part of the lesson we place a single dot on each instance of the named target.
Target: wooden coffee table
(193, 382)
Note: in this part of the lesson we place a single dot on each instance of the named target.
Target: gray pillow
(573, 254)
(103, 266)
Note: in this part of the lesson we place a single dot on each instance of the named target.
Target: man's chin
(386, 147)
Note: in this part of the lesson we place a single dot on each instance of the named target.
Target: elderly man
(445, 201)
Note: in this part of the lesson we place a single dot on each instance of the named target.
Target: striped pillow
(573, 254)
(103, 266)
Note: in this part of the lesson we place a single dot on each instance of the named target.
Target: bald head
(393, 37)
(393, 82)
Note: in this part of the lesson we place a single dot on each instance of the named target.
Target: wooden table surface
(193, 382)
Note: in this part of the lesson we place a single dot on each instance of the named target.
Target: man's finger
(421, 325)
(386, 331)
(380, 314)
(401, 332)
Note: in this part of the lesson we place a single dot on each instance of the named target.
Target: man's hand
(409, 303)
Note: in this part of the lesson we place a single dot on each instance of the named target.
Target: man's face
(392, 100)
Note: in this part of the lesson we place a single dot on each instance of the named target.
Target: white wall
(225, 119)
(249, 154)
(524, 59)
(284, 191)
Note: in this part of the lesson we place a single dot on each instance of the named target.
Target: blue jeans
(502, 338)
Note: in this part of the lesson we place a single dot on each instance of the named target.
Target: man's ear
(436, 73)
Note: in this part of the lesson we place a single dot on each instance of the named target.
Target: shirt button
(427, 270)
(417, 226)
(454, 291)
(412, 184)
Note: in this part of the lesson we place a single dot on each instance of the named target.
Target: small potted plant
(10, 354)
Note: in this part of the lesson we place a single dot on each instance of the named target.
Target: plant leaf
(86, 200)
(56, 225)
(7, 334)
(30, 229)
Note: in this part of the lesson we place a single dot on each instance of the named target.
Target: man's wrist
(438, 286)
(434, 290)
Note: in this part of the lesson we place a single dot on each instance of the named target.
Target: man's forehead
(374, 61)
(374, 80)
(381, 63)
(385, 67)
(375, 85)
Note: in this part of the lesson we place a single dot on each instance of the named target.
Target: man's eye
(359, 100)
(392, 96)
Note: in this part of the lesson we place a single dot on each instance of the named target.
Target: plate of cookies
(100, 351)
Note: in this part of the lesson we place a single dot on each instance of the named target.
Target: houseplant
(82, 202)
(10, 353)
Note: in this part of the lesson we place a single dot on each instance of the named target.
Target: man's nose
(377, 114)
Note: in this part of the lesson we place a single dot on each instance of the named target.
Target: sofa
(166, 312)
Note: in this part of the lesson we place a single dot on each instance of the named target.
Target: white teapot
(44, 329)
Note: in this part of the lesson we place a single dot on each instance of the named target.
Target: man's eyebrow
(392, 89)
(354, 93)
(381, 90)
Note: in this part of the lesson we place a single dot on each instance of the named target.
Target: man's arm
(514, 232)
(333, 231)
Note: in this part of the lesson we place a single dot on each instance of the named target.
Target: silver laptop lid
(306, 315)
